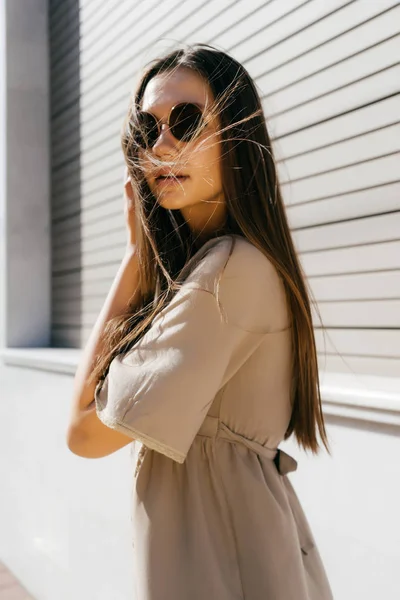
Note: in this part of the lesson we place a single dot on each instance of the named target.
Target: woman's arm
(87, 435)
(85, 427)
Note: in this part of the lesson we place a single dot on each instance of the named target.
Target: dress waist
(212, 427)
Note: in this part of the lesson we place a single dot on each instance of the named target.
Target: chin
(173, 201)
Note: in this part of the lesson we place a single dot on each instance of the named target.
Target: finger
(126, 174)
(128, 189)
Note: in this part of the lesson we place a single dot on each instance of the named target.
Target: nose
(165, 143)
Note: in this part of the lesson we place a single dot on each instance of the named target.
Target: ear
(128, 184)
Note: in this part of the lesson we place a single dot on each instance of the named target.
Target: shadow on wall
(65, 100)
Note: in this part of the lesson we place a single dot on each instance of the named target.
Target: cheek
(145, 165)
(207, 160)
(144, 160)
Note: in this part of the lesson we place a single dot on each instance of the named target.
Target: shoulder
(248, 262)
(208, 263)
(248, 285)
(232, 253)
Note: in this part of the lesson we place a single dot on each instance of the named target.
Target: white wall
(65, 521)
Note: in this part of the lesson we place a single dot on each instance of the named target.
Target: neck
(206, 219)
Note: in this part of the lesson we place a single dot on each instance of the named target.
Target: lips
(171, 176)
(169, 181)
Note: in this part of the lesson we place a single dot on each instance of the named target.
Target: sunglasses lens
(147, 130)
(184, 121)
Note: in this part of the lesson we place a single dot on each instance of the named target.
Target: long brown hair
(255, 210)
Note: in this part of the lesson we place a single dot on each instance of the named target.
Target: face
(182, 175)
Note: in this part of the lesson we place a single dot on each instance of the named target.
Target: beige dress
(207, 393)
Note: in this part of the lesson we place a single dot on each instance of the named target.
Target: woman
(204, 350)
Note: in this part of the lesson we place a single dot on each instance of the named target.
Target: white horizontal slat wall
(329, 75)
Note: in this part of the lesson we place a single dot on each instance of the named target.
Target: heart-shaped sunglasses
(184, 121)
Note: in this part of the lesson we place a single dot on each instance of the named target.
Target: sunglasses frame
(159, 123)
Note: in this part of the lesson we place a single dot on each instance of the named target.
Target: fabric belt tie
(212, 427)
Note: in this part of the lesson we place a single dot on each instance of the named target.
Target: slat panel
(109, 192)
(111, 125)
(114, 237)
(96, 234)
(313, 37)
(121, 53)
(359, 342)
(85, 260)
(205, 23)
(65, 54)
(69, 311)
(69, 172)
(95, 10)
(359, 149)
(71, 224)
(343, 100)
(342, 181)
(75, 318)
(65, 134)
(71, 285)
(347, 206)
(95, 289)
(341, 75)
(65, 80)
(351, 233)
(100, 38)
(131, 55)
(359, 259)
(108, 130)
(65, 127)
(63, 22)
(296, 20)
(67, 89)
(129, 25)
(266, 15)
(94, 221)
(117, 99)
(78, 277)
(74, 256)
(300, 66)
(65, 148)
(105, 25)
(338, 129)
(98, 172)
(385, 367)
(360, 287)
(379, 314)
(69, 308)
(56, 9)
(67, 337)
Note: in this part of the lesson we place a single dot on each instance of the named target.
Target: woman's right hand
(129, 208)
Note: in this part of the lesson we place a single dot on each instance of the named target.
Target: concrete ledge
(349, 396)
(363, 397)
(56, 360)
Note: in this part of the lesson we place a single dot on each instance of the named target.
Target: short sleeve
(161, 390)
